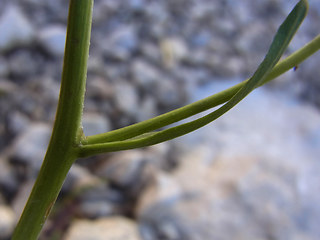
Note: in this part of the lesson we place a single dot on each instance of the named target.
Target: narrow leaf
(280, 42)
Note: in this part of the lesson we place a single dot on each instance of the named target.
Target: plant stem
(279, 44)
(204, 104)
(68, 142)
(62, 150)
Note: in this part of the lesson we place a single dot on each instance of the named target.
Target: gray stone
(235, 66)
(126, 98)
(4, 68)
(22, 196)
(96, 66)
(145, 75)
(121, 43)
(155, 208)
(103, 10)
(137, 5)
(97, 202)
(169, 95)
(130, 169)
(79, 178)
(15, 28)
(158, 15)
(165, 189)
(236, 198)
(201, 39)
(255, 38)
(250, 175)
(310, 81)
(115, 228)
(8, 183)
(30, 147)
(202, 10)
(7, 87)
(159, 155)
(315, 5)
(147, 109)
(100, 201)
(49, 88)
(7, 222)
(123, 169)
(151, 51)
(281, 126)
(94, 123)
(96, 209)
(100, 88)
(200, 57)
(53, 39)
(17, 122)
(24, 63)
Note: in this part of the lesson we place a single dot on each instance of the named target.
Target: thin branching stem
(66, 135)
(204, 104)
(68, 142)
(277, 48)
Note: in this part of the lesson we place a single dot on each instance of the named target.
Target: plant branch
(68, 142)
(62, 149)
(204, 104)
(279, 44)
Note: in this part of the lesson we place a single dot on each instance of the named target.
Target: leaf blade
(280, 42)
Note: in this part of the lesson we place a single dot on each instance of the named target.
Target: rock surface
(7, 222)
(16, 29)
(115, 228)
(53, 39)
(247, 176)
(95, 124)
(30, 147)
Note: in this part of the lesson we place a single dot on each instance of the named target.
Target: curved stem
(202, 105)
(277, 48)
(62, 150)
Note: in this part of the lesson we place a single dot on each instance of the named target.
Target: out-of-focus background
(253, 174)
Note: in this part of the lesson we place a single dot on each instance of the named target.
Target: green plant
(69, 143)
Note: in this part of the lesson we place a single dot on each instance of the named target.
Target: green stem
(278, 46)
(202, 105)
(67, 140)
(63, 146)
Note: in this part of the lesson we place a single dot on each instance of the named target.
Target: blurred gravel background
(253, 174)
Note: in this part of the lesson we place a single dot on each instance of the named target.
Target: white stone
(115, 228)
(123, 169)
(79, 178)
(31, 146)
(145, 74)
(7, 221)
(53, 39)
(94, 123)
(15, 29)
(126, 97)
(121, 43)
(252, 173)
(173, 51)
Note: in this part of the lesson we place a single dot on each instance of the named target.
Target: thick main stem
(62, 150)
